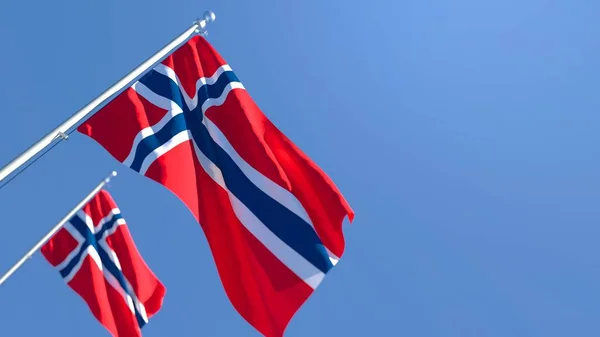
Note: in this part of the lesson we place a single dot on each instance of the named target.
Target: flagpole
(61, 132)
(57, 227)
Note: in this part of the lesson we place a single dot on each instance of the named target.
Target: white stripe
(209, 103)
(89, 250)
(161, 102)
(289, 257)
(173, 109)
(110, 278)
(111, 214)
(272, 189)
(132, 299)
(80, 240)
(332, 257)
(86, 219)
(179, 138)
(266, 185)
(166, 104)
(192, 102)
(294, 261)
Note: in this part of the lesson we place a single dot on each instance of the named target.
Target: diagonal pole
(61, 132)
(57, 227)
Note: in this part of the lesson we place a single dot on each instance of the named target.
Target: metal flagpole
(57, 227)
(61, 132)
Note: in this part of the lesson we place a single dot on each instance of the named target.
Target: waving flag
(272, 218)
(96, 256)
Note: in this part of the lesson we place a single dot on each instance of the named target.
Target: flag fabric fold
(272, 217)
(96, 256)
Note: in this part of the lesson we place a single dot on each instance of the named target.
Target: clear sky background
(463, 133)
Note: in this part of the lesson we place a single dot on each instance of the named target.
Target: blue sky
(463, 133)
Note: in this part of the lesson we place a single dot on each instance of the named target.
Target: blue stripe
(112, 222)
(286, 225)
(90, 240)
(173, 127)
(118, 274)
(107, 263)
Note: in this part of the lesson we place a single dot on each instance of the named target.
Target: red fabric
(260, 286)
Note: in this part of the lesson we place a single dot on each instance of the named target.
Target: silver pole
(57, 227)
(60, 133)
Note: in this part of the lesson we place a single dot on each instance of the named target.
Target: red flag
(97, 257)
(272, 217)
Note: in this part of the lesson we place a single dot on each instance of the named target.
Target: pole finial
(112, 174)
(207, 17)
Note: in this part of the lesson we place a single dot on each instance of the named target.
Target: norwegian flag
(272, 217)
(96, 256)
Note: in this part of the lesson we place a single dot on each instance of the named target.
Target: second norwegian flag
(272, 217)
(98, 259)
